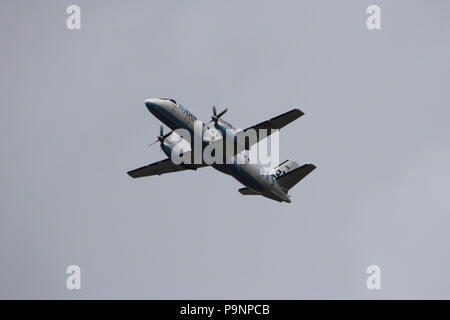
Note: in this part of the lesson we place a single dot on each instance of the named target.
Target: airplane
(272, 184)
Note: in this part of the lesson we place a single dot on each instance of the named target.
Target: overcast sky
(376, 124)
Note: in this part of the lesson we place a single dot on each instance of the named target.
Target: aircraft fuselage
(253, 176)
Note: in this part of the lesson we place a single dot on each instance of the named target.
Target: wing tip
(312, 165)
(298, 111)
(131, 174)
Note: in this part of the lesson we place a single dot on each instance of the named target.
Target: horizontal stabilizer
(248, 192)
(290, 179)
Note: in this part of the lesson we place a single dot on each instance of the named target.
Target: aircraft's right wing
(280, 121)
(271, 125)
(159, 168)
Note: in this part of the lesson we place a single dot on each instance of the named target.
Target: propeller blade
(215, 117)
(153, 143)
(161, 136)
(222, 113)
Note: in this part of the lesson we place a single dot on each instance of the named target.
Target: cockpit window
(186, 112)
(169, 100)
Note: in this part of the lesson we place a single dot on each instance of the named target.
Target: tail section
(289, 179)
(288, 174)
(285, 167)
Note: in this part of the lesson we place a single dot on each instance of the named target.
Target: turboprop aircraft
(273, 183)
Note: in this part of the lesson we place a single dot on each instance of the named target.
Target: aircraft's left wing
(272, 125)
(159, 168)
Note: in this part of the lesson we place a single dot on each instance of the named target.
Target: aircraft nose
(152, 103)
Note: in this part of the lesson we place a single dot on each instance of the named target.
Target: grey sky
(376, 124)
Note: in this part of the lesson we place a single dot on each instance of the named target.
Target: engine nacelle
(171, 145)
(167, 149)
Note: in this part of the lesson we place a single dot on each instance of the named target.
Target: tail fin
(288, 180)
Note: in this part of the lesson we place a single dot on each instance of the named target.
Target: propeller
(161, 136)
(215, 117)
